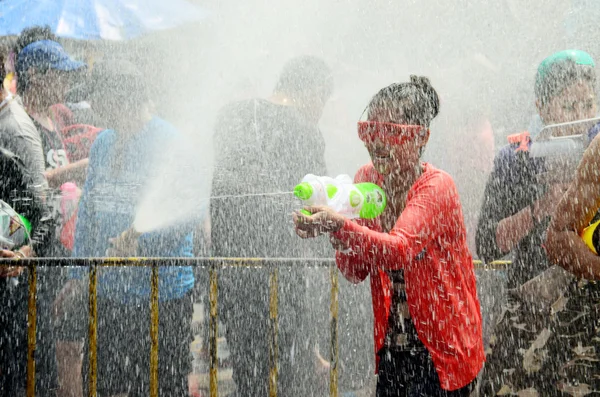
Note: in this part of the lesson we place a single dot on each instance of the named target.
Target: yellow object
(588, 236)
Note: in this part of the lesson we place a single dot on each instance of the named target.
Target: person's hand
(125, 245)
(322, 368)
(547, 204)
(323, 220)
(14, 271)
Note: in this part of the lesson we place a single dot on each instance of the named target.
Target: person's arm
(504, 221)
(26, 144)
(575, 211)
(431, 211)
(83, 228)
(74, 172)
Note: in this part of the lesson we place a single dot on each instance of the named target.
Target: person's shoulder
(160, 130)
(517, 148)
(237, 108)
(432, 173)
(17, 119)
(104, 140)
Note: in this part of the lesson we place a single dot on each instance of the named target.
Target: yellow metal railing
(214, 264)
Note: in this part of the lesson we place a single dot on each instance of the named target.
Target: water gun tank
(361, 200)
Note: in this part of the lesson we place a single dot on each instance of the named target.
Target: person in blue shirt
(123, 162)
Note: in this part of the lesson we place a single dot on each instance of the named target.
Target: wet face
(49, 88)
(390, 157)
(576, 102)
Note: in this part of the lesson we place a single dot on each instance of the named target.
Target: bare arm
(74, 172)
(513, 229)
(574, 212)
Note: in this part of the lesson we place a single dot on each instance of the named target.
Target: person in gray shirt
(19, 136)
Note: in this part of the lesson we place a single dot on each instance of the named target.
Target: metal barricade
(213, 264)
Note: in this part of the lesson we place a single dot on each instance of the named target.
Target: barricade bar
(93, 330)
(273, 332)
(213, 323)
(334, 348)
(154, 332)
(200, 262)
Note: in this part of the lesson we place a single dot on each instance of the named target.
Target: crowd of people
(77, 174)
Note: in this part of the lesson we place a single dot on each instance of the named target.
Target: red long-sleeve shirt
(429, 242)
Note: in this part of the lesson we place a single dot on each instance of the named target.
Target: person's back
(263, 148)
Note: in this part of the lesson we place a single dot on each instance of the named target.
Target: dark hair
(4, 54)
(561, 75)
(418, 100)
(26, 37)
(305, 76)
(118, 81)
(33, 34)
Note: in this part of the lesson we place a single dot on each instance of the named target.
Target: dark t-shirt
(261, 147)
(55, 155)
(511, 187)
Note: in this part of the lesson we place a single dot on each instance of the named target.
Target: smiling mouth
(382, 156)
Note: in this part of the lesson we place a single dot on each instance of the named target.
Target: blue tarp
(97, 19)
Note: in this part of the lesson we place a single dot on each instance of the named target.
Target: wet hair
(417, 99)
(305, 76)
(28, 36)
(561, 75)
(33, 34)
(119, 81)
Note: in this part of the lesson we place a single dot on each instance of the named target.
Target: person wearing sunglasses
(428, 328)
(528, 347)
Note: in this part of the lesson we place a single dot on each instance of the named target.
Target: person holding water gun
(428, 335)
(515, 214)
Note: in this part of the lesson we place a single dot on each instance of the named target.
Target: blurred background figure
(122, 162)
(516, 211)
(267, 146)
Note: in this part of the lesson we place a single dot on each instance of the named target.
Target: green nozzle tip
(303, 191)
(26, 224)
(305, 212)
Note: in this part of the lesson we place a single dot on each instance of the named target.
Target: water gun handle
(588, 236)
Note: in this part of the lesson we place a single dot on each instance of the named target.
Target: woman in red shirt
(428, 335)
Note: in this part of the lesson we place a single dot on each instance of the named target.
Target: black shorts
(405, 373)
(124, 348)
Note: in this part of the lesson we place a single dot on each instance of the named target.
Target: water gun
(591, 237)
(15, 230)
(360, 200)
(562, 153)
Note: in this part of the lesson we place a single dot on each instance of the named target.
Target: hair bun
(420, 81)
(430, 96)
